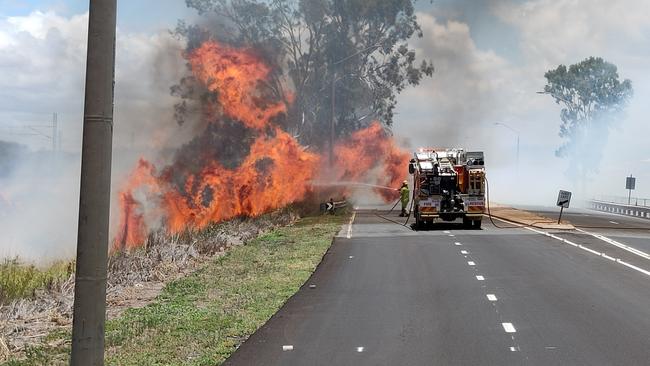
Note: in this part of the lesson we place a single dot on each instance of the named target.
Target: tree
(359, 46)
(593, 98)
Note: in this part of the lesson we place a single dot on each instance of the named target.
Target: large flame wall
(275, 171)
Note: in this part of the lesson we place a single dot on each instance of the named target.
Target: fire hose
(491, 218)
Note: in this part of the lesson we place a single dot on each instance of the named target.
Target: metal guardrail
(634, 201)
(619, 208)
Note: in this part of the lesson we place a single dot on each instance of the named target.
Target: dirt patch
(527, 218)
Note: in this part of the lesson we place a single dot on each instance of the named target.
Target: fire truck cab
(448, 184)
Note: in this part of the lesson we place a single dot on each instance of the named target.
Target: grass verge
(18, 280)
(202, 318)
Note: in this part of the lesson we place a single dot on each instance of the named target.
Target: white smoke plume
(479, 83)
(43, 59)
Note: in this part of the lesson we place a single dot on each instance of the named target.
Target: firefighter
(404, 197)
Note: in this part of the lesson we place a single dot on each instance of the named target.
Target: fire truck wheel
(467, 223)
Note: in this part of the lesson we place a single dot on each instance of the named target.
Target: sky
(490, 58)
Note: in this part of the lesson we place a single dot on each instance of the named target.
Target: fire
(371, 156)
(236, 74)
(203, 185)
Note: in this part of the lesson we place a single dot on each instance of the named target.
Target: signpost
(630, 184)
(563, 200)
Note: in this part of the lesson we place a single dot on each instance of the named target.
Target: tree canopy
(593, 98)
(356, 50)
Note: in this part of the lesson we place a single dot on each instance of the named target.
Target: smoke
(490, 62)
(37, 203)
(43, 59)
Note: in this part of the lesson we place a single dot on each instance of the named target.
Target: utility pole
(92, 240)
(55, 124)
(332, 121)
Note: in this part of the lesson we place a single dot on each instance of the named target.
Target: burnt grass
(217, 286)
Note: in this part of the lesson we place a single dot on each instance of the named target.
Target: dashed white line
(613, 222)
(463, 252)
(287, 347)
(457, 243)
(513, 349)
(349, 235)
(491, 297)
(447, 232)
(360, 349)
(471, 263)
(452, 235)
(480, 278)
(509, 328)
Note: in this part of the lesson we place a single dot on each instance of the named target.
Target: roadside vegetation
(200, 319)
(19, 280)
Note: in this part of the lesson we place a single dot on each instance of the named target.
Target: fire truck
(448, 184)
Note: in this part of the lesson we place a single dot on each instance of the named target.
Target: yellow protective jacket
(404, 195)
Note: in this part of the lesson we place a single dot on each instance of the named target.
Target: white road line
(447, 232)
(509, 328)
(463, 252)
(360, 349)
(491, 297)
(354, 214)
(452, 235)
(513, 349)
(287, 348)
(638, 252)
(613, 222)
(603, 255)
(471, 263)
(457, 243)
(351, 257)
(480, 278)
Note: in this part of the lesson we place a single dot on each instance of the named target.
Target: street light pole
(517, 134)
(89, 309)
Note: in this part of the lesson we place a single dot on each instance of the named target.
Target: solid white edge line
(509, 328)
(615, 243)
(349, 235)
(617, 260)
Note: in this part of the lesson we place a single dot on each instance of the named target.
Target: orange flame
(236, 74)
(275, 172)
(371, 156)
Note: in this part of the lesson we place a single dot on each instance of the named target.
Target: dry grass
(38, 314)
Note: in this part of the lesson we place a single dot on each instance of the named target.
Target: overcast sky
(490, 57)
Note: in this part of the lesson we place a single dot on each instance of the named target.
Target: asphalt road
(388, 295)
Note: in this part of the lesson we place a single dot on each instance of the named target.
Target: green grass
(200, 319)
(18, 280)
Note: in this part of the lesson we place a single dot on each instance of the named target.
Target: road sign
(630, 182)
(563, 199)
